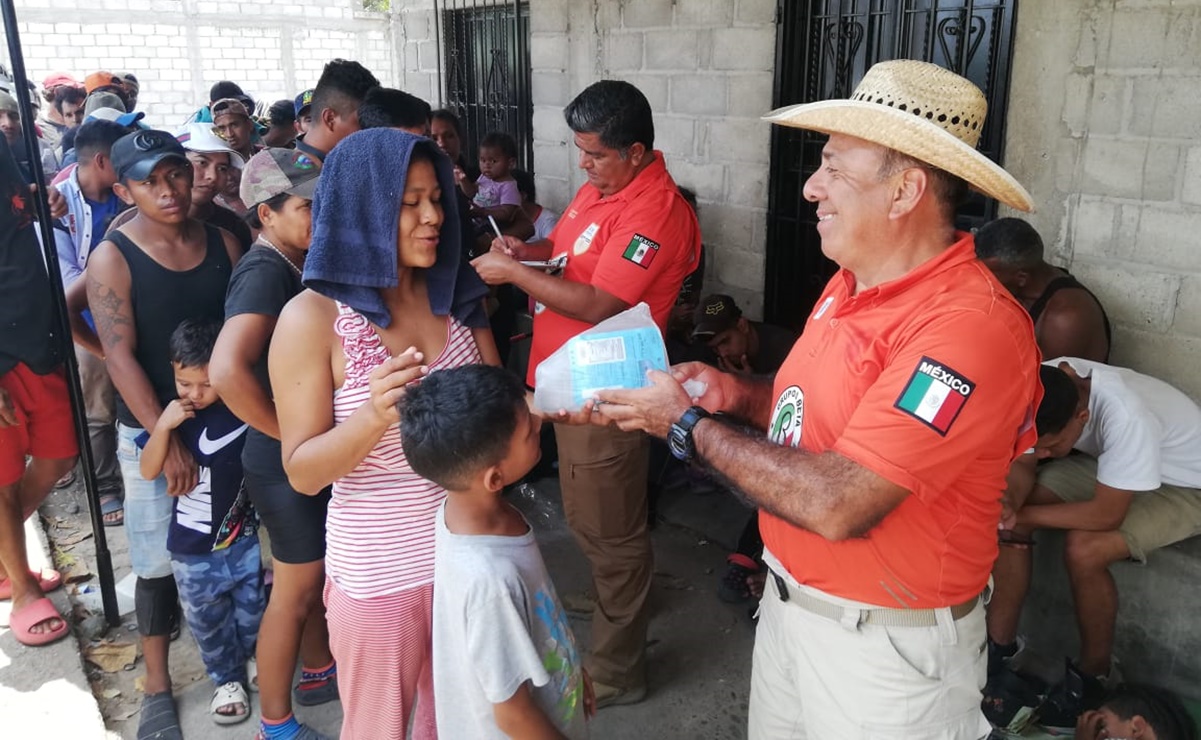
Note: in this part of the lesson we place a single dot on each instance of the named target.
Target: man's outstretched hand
(652, 409)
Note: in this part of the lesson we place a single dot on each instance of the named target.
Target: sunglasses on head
(230, 106)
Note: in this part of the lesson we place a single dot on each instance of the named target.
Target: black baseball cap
(715, 314)
(135, 155)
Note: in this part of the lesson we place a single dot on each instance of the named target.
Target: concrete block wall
(706, 66)
(179, 48)
(1105, 130)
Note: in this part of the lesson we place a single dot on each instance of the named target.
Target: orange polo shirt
(930, 381)
(638, 245)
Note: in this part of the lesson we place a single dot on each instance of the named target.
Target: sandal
(252, 675)
(48, 580)
(111, 504)
(23, 620)
(227, 695)
(304, 733)
(733, 587)
(159, 721)
(66, 481)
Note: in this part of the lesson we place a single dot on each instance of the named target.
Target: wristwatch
(679, 438)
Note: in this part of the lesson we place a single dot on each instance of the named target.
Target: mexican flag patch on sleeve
(641, 251)
(935, 395)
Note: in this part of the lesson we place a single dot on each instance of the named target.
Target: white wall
(179, 48)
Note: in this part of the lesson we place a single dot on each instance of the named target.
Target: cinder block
(756, 11)
(549, 52)
(553, 158)
(707, 179)
(549, 88)
(66, 28)
(729, 226)
(1168, 238)
(622, 51)
(1191, 192)
(699, 94)
(1139, 297)
(675, 135)
(744, 48)
(554, 192)
(427, 56)
(646, 13)
(750, 94)
(549, 16)
(1145, 170)
(737, 267)
(1151, 37)
(1169, 357)
(1077, 94)
(748, 185)
(1092, 229)
(739, 140)
(1167, 106)
(704, 12)
(671, 50)
(1107, 106)
(654, 87)
(1188, 307)
(550, 126)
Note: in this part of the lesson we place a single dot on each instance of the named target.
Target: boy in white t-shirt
(505, 659)
(1136, 488)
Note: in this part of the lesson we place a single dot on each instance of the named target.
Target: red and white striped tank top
(380, 528)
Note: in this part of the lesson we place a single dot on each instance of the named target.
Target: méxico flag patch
(641, 251)
(935, 395)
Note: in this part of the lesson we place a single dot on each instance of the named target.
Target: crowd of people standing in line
(309, 332)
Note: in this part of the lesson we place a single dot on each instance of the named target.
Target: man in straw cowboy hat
(890, 427)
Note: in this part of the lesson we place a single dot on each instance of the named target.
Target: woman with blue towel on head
(389, 300)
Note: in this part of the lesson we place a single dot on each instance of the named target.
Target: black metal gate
(486, 53)
(823, 49)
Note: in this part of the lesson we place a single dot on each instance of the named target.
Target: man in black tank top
(1068, 319)
(158, 269)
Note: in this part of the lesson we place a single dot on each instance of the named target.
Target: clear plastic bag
(615, 353)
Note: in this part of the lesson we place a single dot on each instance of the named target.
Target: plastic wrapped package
(616, 353)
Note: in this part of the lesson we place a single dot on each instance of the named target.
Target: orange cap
(100, 79)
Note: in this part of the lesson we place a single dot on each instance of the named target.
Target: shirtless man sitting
(1068, 319)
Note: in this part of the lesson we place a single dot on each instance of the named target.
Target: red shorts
(45, 427)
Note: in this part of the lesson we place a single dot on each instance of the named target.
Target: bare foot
(45, 626)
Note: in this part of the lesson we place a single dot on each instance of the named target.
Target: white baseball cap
(199, 137)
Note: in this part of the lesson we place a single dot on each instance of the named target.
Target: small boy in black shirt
(214, 551)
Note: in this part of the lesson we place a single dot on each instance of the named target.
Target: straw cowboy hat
(918, 109)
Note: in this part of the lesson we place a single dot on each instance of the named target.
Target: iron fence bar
(440, 52)
(104, 563)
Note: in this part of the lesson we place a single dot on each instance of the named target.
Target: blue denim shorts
(147, 510)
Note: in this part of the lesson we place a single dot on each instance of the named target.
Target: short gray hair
(950, 190)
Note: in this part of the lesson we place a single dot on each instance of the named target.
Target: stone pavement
(43, 691)
(699, 648)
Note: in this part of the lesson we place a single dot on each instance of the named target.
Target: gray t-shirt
(497, 624)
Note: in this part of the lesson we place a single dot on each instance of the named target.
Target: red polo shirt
(930, 381)
(637, 244)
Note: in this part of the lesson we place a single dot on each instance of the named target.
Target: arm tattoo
(111, 318)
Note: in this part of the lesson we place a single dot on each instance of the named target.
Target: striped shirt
(380, 530)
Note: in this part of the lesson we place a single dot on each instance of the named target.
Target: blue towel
(356, 217)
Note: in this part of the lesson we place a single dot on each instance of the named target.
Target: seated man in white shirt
(1136, 488)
